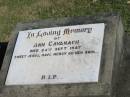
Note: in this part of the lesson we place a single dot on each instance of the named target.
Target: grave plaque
(67, 57)
(69, 54)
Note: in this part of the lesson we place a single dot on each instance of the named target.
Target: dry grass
(14, 11)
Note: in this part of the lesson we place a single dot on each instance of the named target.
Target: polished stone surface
(3, 46)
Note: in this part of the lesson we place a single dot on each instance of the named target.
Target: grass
(14, 11)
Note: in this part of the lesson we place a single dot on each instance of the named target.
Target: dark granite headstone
(88, 67)
(3, 46)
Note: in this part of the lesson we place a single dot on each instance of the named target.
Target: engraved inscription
(68, 54)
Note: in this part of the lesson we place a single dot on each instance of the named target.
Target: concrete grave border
(111, 59)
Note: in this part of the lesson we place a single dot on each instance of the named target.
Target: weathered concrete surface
(111, 60)
(123, 86)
